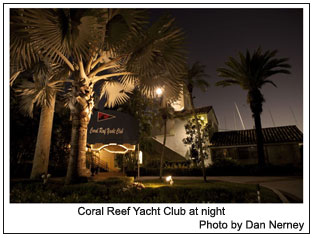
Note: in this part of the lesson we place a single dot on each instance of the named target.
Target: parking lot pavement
(288, 185)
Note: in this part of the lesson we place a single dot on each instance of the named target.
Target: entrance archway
(110, 133)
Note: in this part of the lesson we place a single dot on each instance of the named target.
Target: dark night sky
(212, 35)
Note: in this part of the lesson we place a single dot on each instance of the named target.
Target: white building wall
(176, 133)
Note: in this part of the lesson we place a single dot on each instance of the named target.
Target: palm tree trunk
(77, 158)
(163, 150)
(41, 157)
(201, 154)
(259, 137)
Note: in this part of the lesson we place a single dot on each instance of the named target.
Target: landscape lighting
(169, 179)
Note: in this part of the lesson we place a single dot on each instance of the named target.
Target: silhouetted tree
(251, 72)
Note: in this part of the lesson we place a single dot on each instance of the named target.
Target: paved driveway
(287, 185)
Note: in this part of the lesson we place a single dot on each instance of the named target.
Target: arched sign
(108, 126)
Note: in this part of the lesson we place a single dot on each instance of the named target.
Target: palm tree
(251, 72)
(38, 86)
(166, 113)
(195, 77)
(38, 83)
(112, 48)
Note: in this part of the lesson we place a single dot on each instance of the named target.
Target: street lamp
(159, 92)
(164, 114)
(139, 159)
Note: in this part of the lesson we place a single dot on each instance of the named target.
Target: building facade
(282, 145)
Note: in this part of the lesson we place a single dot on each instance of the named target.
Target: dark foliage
(124, 191)
(193, 140)
(23, 134)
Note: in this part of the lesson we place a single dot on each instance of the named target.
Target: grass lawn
(123, 190)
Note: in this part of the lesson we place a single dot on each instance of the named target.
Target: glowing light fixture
(159, 92)
(140, 157)
(169, 180)
(113, 148)
(109, 148)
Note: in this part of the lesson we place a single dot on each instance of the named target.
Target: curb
(278, 193)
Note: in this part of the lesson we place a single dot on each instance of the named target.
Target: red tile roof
(283, 134)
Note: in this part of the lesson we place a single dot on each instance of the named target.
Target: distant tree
(143, 109)
(195, 78)
(251, 72)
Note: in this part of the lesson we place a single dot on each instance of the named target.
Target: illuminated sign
(108, 126)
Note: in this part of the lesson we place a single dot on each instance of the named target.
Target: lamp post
(138, 158)
(159, 92)
(163, 107)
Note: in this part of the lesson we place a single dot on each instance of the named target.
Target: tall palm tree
(166, 113)
(195, 77)
(251, 72)
(38, 81)
(38, 87)
(113, 48)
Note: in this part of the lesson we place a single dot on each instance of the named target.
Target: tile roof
(281, 134)
(197, 110)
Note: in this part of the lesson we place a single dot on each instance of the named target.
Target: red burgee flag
(104, 116)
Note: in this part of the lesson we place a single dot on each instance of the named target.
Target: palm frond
(22, 51)
(253, 70)
(228, 73)
(14, 76)
(123, 24)
(38, 90)
(157, 56)
(270, 82)
(195, 76)
(227, 82)
(34, 94)
(72, 32)
(115, 92)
